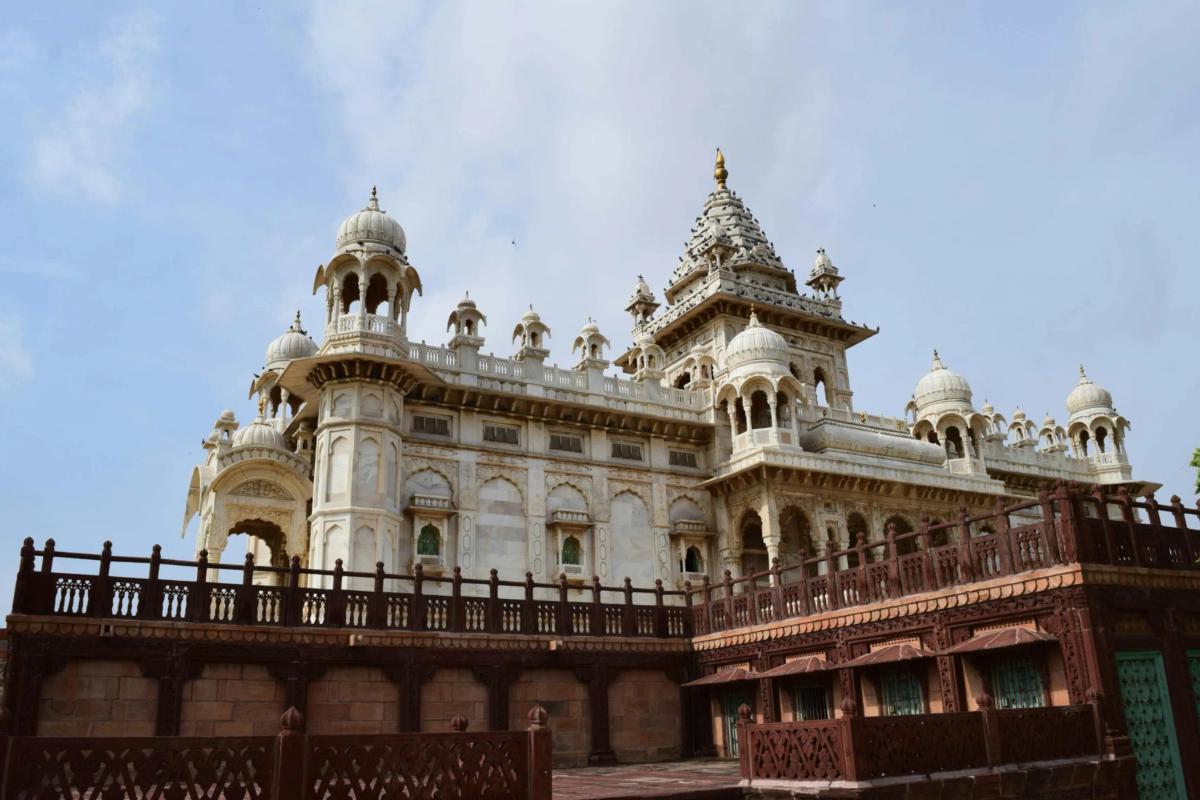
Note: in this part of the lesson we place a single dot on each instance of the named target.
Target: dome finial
(937, 360)
(753, 317)
(720, 173)
(1082, 374)
(373, 203)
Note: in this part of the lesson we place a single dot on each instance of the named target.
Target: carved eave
(759, 474)
(560, 411)
(691, 529)
(568, 520)
(237, 455)
(431, 506)
(1026, 483)
(305, 374)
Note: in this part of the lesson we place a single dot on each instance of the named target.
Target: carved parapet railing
(297, 597)
(1071, 527)
(289, 766)
(865, 748)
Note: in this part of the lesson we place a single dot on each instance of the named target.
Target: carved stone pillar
(498, 679)
(409, 676)
(296, 677)
(26, 672)
(597, 677)
(171, 671)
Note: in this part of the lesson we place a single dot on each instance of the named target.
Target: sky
(1014, 184)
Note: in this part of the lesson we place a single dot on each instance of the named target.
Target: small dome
(294, 343)
(822, 261)
(1048, 421)
(1018, 415)
(1087, 395)
(756, 343)
(988, 409)
(259, 433)
(227, 416)
(371, 225)
(467, 302)
(530, 316)
(940, 384)
(590, 329)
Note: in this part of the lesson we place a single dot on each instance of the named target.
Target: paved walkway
(677, 780)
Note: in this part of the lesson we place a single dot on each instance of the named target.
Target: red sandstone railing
(1074, 527)
(862, 748)
(503, 765)
(295, 597)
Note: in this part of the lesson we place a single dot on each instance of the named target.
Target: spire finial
(720, 173)
(937, 360)
(1082, 374)
(753, 317)
(373, 203)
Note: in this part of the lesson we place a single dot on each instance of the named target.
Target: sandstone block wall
(353, 700)
(231, 700)
(565, 698)
(449, 693)
(98, 698)
(644, 713)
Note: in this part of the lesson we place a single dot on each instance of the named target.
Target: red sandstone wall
(449, 693)
(565, 698)
(353, 700)
(644, 713)
(98, 698)
(231, 700)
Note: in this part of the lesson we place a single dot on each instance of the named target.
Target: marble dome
(371, 225)
(756, 343)
(1087, 395)
(259, 433)
(941, 384)
(292, 344)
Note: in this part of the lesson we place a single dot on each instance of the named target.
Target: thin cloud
(16, 363)
(81, 150)
(37, 268)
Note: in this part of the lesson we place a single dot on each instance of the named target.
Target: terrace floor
(699, 779)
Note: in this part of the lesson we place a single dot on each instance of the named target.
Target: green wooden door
(1193, 661)
(1017, 683)
(1151, 725)
(734, 699)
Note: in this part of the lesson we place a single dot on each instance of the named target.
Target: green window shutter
(1151, 726)
(1193, 661)
(1017, 683)
(902, 694)
(810, 703)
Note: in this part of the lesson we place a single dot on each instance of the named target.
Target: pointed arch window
(572, 553)
(429, 542)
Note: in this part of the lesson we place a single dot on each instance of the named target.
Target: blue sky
(1015, 184)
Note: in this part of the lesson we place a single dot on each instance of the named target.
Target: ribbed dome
(1087, 395)
(1048, 421)
(371, 225)
(259, 433)
(940, 384)
(294, 343)
(756, 343)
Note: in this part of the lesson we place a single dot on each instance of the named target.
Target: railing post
(336, 614)
(101, 599)
(849, 725)
(729, 621)
(832, 593)
(860, 554)
(246, 612)
(198, 600)
(965, 562)
(540, 754)
(706, 588)
(1126, 504)
(45, 581)
(1181, 525)
(777, 611)
(290, 746)
(805, 595)
(23, 593)
(150, 604)
(493, 607)
(1163, 557)
(292, 596)
(660, 610)
(895, 589)
(528, 618)
(456, 615)
(597, 610)
(1069, 521)
(1049, 530)
(689, 627)
(48, 557)
(750, 593)
(991, 730)
(375, 612)
(564, 608)
(1003, 536)
(743, 738)
(926, 556)
(629, 624)
(416, 615)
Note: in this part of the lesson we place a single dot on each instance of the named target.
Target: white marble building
(729, 438)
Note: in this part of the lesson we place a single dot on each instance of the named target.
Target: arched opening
(350, 293)
(377, 294)
(932, 437)
(572, 553)
(429, 541)
(902, 525)
(792, 368)
(739, 411)
(754, 549)
(535, 339)
(974, 442)
(1101, 438)
(469, 327)
(693, 561)
(938, 538)
(820, 387)
(856, 526)
(795, 533)
(1084, 438)
(267, 543)
(760, 410)
(594, 351)
(683, 380)
(954, 442)
(783, 409)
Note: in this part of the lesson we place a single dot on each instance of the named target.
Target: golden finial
(720, 173)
